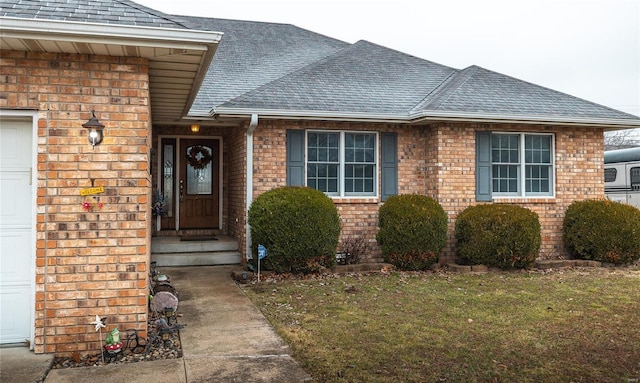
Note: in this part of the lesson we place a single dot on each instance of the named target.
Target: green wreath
(199, 156)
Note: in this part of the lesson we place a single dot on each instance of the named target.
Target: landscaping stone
(243, 276)
(563, 263)
(587, 263)
(479, 268)
(158, 350)
(553, 264)
(455, 268)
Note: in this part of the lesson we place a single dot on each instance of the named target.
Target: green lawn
(579, 325)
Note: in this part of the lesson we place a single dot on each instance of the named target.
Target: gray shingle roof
(122, 12)
(252, 54)
(478, 90)
(288, 70)
(360, 78)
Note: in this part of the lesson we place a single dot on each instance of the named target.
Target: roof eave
(526, 119)
(310, 115)
(423, 117)
(168, 50)
(81, 31)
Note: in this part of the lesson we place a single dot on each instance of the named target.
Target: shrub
(352, 247)
(603, 231)
(498, 235)
(412, 231)
(299, 226)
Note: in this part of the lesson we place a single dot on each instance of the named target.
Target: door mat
(198, 238)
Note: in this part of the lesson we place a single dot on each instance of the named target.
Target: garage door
(16, 241)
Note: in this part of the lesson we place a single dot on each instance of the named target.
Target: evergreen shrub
(299, 227)
(602, 230)
(498, 235)
(412, 231)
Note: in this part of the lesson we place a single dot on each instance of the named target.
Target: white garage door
(16, 247)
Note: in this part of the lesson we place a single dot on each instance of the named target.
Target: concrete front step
(161, 245)
(197, 259)
(171, 251)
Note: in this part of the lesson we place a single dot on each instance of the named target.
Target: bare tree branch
(621, 139)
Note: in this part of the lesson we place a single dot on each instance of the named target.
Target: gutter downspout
(249, 193)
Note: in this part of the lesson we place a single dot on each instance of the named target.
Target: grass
(579, 325)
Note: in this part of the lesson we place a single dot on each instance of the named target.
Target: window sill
(362, 200)
(550, 199)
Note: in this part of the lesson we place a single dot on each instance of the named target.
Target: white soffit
(178, 58)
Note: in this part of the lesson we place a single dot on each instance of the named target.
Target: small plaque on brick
(92, 191)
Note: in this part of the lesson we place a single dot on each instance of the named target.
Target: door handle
(181, 190)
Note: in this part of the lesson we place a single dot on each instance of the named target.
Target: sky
(587, 48)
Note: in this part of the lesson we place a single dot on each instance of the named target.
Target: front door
(198, 186)
(16, 223)
(190, 183)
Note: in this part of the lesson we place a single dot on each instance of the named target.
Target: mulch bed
(156, 350)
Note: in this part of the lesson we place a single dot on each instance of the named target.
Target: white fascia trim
(426, 117)
(107, 33)
(200, 113)
(311, 115)
(524, 119)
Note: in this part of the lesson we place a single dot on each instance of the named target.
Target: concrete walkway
(18, 364)
(226, 339)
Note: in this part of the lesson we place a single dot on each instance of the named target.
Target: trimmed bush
(299, 226)
(412, 231)
(498, 235)
(602, 230)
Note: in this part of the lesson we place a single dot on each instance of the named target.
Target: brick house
(205, 114)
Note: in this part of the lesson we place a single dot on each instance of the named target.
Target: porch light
(95, 129)
(195, 128)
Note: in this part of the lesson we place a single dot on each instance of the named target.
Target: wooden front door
(199, 184)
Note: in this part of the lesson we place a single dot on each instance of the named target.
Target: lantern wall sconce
(95, 130)
(195, 128)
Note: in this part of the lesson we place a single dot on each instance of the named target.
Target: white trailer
(622, 175)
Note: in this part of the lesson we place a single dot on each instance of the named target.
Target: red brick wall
(579, 157)
(359, 216)
(438, 160)
(236, 195)
(87, 262)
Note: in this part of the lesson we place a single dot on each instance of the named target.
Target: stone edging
(541, 265)
(247, 276)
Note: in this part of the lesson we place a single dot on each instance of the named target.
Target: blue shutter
(389, 147)
(295, 157)
(483, 166)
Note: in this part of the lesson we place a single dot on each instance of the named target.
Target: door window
(199, 170)
(168, 155)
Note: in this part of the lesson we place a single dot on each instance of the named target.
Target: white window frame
(522, 165)
(341, 159)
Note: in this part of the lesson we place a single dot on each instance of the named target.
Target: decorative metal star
(99, 323)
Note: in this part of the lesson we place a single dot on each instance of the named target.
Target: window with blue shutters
(343, 163)
(514, 165)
